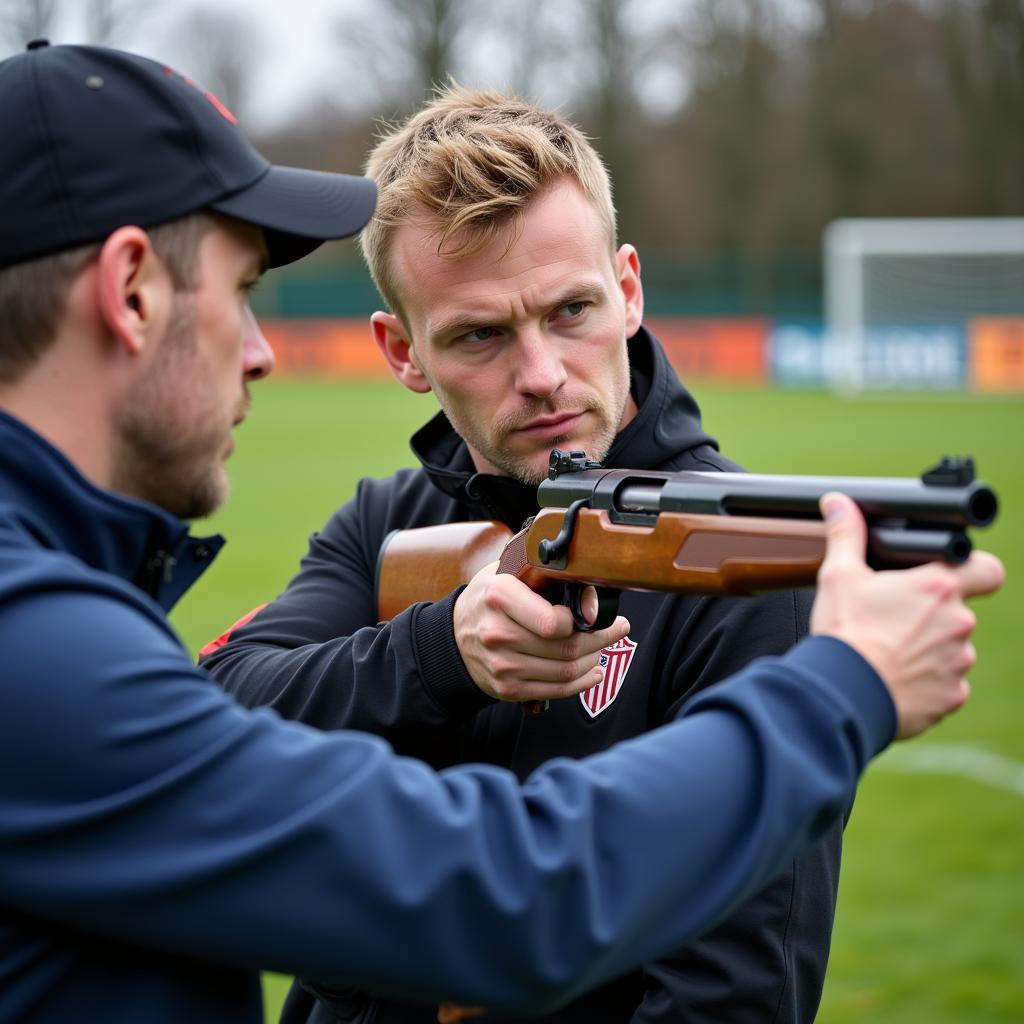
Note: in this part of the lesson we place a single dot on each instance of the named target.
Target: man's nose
(540, 371)
(257, 355)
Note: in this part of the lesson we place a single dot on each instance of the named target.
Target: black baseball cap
(92, 139)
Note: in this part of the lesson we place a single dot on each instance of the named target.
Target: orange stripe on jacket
(214, 645)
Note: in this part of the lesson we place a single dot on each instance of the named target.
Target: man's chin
(202, 498)
(566, 443)
(532, 469)
(529, 464)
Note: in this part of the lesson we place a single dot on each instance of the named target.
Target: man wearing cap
(159, 845)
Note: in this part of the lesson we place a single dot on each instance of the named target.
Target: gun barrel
(628, 493)
(890, 548)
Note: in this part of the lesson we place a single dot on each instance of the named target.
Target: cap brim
(300, 210)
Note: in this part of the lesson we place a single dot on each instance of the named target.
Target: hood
(667, 424)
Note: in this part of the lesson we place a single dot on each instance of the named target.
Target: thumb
(846, 533)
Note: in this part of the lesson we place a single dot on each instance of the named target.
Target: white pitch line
(968, 762)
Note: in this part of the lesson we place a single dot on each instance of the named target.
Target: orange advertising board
(324, 347)
(996, 346)
(715, 348)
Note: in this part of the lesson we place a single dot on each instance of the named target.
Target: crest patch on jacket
(615, 661)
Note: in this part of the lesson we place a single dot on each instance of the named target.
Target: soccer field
(931, 913)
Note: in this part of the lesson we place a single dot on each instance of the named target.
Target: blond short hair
(471, 161)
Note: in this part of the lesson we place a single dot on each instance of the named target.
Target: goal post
(901, 296)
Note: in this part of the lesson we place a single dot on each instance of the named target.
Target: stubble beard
(172, 435)
(529, 469)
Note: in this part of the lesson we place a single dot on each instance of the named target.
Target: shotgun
(693, 532)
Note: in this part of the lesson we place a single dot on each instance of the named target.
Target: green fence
(727, 286)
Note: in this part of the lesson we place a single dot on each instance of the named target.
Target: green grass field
(931, 916)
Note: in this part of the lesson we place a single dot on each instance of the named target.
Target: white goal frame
(848, 242)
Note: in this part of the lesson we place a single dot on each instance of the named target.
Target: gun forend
(708, 554)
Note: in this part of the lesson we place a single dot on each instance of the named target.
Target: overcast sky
(300, 46)
(296, 34)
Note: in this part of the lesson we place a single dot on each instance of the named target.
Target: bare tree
(24, 20)
(392, 57)
(221, 50)
(984, 55)
(538, 47)
(789, 115)
(737, 74)
(604, 44)
(107, 21)
(613, 101)
(100, 22)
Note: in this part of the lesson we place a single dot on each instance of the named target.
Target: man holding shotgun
(494, 246)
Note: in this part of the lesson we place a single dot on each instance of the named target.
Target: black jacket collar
(667, 422)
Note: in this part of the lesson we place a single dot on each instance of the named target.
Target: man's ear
(627, 263)
(134, 288)
(393, 340)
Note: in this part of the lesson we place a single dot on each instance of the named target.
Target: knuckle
(492, 636)
(509, 690)
(968, 658)
(501, 669)
(492, 597)
(510, 694)
(570, 649)
(965, 622)
(941, 582)
(830, 575)
(548, 626)
(568, 671)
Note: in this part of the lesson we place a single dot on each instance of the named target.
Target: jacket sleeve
(139, 803)
(313, 655)
(767, 962)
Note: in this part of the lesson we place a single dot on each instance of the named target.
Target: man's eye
(480, 334)
(571, 309)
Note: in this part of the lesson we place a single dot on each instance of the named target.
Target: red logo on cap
(215, 102)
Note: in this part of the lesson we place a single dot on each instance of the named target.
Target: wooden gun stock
(428, 563)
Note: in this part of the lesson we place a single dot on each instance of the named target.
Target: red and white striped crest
(615, 661)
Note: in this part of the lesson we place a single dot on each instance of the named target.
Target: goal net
(906, 300)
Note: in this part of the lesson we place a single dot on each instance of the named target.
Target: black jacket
(299, 655)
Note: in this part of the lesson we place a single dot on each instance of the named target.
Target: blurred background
(737, 132)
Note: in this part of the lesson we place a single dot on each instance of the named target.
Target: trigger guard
(607, 607)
